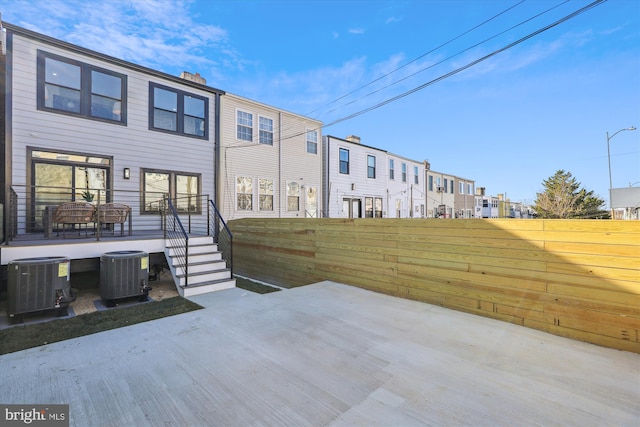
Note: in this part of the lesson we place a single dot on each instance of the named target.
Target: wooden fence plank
(579, 279)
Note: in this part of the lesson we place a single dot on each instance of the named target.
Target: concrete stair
(207, 270)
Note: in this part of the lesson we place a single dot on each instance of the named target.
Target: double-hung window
(244, 191)
(391, 169)
(266, 131)
(446, 185)
(244, 126)
(371, 166)
(344, 161)
(404, 172)
(266, 194)
(430, 182)
(312, 142)
(460, 187)
(293, 196)
(176, 111)
(74, 88)
(416, 177)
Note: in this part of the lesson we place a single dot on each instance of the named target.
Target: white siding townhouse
(361, 181)
(441, 189)
(405, 188)
(270, 162)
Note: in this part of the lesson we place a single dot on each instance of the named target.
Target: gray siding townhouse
(80, 128)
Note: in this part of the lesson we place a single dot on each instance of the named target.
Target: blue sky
(508, 122)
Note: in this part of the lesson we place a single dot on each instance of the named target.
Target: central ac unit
(37, 284)
(124, 274)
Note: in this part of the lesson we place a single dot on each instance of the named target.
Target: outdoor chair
(114, 213)
(74, 213)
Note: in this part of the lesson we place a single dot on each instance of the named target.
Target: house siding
(133, 145)
(436, 198)
(285, 161)
(410, 194)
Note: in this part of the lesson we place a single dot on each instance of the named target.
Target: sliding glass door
(59, 178)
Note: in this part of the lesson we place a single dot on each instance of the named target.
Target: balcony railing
(35, 213)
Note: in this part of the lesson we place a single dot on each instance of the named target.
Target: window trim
(340, 161)
(237, 193)
(172, 189)
(85, 88)
(261, 194)
(260, 130)
(371, 170)
(180, 113)
(248, 127)
(314, 142)
(297, 196)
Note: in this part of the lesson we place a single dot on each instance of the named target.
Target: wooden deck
(326, 355)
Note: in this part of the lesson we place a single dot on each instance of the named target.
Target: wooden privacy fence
(575, 278)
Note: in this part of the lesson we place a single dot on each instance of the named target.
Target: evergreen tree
(563, 197)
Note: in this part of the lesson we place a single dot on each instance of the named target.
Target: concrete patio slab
(326, 355)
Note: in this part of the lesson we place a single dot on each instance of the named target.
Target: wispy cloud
(154, 33)
(356, 30)
(392, 19)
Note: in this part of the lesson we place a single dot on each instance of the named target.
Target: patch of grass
(252, 286)
(22, 337)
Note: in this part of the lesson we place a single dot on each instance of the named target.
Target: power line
(433, 65)
(420, 57)
(460, 69)
(450, 57)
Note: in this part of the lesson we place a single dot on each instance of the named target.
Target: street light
(609, 158)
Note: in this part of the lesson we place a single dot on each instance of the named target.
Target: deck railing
(221, 234)
(31, 213)
(176, 238)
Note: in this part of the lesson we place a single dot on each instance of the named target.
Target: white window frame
(264, 193)
(312, 141)
(265, 133)
(238, 193)
(247, 127)
(293, 191)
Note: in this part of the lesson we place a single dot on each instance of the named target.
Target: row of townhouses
(78, 125)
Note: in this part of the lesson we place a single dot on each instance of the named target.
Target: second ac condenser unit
(124, 274)
(37, 284)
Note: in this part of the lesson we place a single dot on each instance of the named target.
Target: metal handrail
(30, 211)
(176, 236)
(12, 229)
(221, 234)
